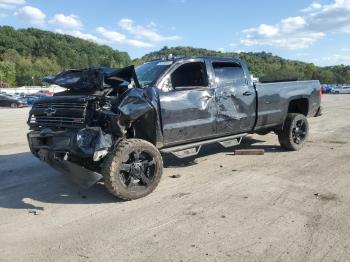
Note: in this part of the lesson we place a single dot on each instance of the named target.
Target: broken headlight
(84, 138)
(92, 141)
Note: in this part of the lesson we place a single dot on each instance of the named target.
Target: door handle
(206, 97)
(247, 93)
(227, 94)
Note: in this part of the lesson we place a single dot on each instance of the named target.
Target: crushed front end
(76, 130)
(67, 134)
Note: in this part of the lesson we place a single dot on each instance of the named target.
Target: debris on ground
(326, 196)
(249, 152)
(175, 176)
(191, 213)
(34, 212)
(179, 195)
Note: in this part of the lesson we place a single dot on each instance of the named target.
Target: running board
(192, 149)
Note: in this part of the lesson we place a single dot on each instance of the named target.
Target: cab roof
(209, 58)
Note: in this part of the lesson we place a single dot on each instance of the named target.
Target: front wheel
(295, 132)
(14, 105)
(133, 170)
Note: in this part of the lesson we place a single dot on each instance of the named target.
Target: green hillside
(27, 53)
(32, 52)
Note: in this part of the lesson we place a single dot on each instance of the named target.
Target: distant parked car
(43, 93)
(341, 90)
(30, 99)
(11, 101)
(20, 94)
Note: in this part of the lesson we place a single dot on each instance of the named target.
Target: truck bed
(274, 100)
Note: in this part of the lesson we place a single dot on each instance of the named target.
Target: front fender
(134, 105)
(140, 107)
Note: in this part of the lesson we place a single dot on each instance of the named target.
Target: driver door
(187, 104)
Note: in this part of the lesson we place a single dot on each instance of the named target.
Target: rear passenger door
(235, 98)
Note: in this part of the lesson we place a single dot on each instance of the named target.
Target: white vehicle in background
(341, 90)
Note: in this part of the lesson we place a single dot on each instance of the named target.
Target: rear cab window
(228, 73)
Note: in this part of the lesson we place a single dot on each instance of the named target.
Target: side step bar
(192, 149)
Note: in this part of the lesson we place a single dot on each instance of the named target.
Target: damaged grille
(58, 114)
(61, 105)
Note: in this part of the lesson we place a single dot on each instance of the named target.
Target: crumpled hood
(95, 78)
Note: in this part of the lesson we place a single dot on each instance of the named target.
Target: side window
(229, 73)
(190, 75)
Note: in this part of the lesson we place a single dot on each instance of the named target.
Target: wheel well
(145, 128)
(300, 106)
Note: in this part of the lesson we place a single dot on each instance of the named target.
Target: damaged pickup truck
(113, 124)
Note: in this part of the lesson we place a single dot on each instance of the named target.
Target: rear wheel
(133, 170)
(295, 132)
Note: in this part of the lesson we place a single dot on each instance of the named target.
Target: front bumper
(54, 141)
(56, 147)
(76, 173)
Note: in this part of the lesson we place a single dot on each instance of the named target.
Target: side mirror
(167, 85)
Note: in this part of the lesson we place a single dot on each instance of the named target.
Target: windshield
(149, 72)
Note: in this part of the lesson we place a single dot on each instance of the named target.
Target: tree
(264, 65)
(24, 72)
(10, 55)
(7, 72)
(39, 53)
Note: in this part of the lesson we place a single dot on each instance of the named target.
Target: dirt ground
(281, 206)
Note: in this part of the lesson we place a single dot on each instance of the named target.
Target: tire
(294, 133)
(14, 105)
(133, 170)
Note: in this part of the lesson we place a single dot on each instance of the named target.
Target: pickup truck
(115, 124)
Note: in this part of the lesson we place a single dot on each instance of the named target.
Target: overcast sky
(317, 32)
